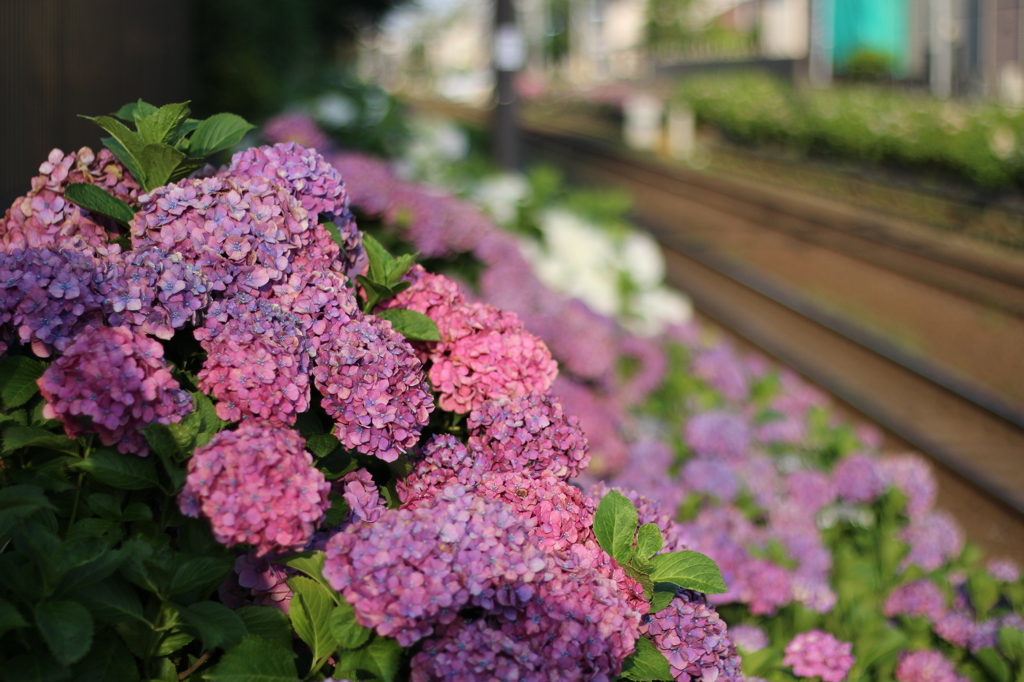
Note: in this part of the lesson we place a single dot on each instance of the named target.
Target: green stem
(81, 478)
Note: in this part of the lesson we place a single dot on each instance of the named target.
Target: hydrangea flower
(112, 382)
(442, 461)
(468, 651)
(298, 127)
(1004, 570)
(694, 639)
(430, 562)
(256, 485)
(721, 368)
(926, 666)
(362, 496)
(934, 540)
(49, 296)
(819, 654)
(529, 433)
(957, 628)
(44, 217)
(921, 598)
(258, 581)
(373, 386)
(257, 363)
(748, 638)
(718, 434)
(911, 475)
(858, 479)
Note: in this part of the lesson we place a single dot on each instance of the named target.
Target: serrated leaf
(648, 540)
(199, 572)
(375, 293)
(128, 472)
(18, 375)
(10, 618)
(646, 664)
(108, 659)
(161, 439)
(310, 613)
(174, 640)
(217, 133)
(127, 112)
(322, 444)
(113, 601)
(94, 561)
(124, 157)
(311, 564)
(255, 660)
(615, 525)
(398, 267)
(16, 437)
(382, 658)
(645, 580)
(346, 630)
(66, 627)
(689, 570)
(267, 622)
(160, 125)
(411, 324)
(215, 624)
(158, 163)
(127, 140)
(98, 200)
(379, 260)
(663, 595)
(336, 513)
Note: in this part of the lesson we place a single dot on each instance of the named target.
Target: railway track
(828, 290)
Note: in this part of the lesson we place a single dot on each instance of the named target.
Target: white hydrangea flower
(335, 110)
(641, 258)
(657, 309)
(501, 195)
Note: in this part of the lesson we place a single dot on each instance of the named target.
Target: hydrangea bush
(838, 564)
(241, 440)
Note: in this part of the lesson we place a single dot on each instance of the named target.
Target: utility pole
(509, 55)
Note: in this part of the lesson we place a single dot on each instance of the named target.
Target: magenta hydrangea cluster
(112, 382)
(373, 386)
(256, 485)
(258, 360)
(44, 217)
(926, 666)
(819, 654)
(921, 598)
(484, 353)
(693, 637)
(529, 432)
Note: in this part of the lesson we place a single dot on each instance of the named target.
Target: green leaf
(648, 540)
(375, 293)
(127, 140)
(310, 613)
(1011, 643)
(18, 375)
(335, 233)
(161, 440)
(217, 133)
(663, 595)
(124, 157)
(382, 658)
(644, 580)
(127, 112)
(215, 624)
(255, 660)
(689, 570)
(312, 564)
(10, 618)
(38, 666)
(336, 513)
(66, 627)
(161, 125)
(98, 200)
(16, 437)
(175, 639)
(993, 664)
(322, 444)
(646, 663)
(267, 622)
(113, 601)
(346, 630)
(398, 267)
(199, 572)
(109, 659)
(128, 472)
(88, 573)
(615, 525)
(158, 162)
(379, 260)
(411, 324)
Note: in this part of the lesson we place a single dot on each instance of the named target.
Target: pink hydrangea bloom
(912, 475)
(921, 598)
(819, 654)
(694, 639)
(926, 666)
(442, 461)
(749, 638)
(298, 127)
(257, 363)
(722, 368)
(859, 479)
(112, 382)
(44, 217)
(529, 433)
(362, 496)
(373, 386)
(957, 628)
(257, 581)
(1004, 570)
(256, 485)
(933, 539)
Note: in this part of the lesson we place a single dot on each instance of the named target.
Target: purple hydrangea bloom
(921, 598)
(112, 382)
(957, 628)
(911, 475)
(926, 666)
(298, 127)
(529, 433)
(694, 639)
(819, 654)
(718, 434)
(362, 496)
(859, 479)
(748, 638)
(256, 485)
(722, 369)
(257, 581)
(933, 540)
(1004, 570)
(651, 373)
(373, 386)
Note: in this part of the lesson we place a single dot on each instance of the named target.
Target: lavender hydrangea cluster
(256, 485)
(112, 382)
(926, 666)
(373, 386)
(693, 638)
